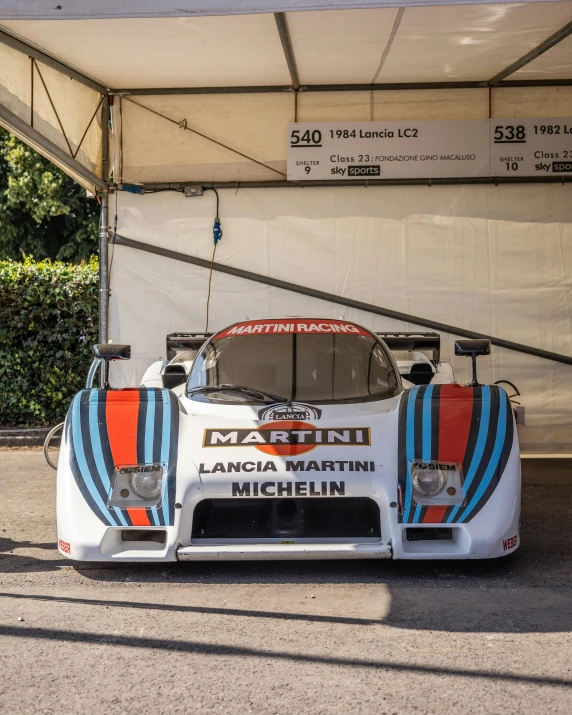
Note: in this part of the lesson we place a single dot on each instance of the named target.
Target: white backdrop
(485, 258)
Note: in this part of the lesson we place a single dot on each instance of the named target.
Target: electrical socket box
(193, 190)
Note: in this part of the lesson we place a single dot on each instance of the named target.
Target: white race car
(291, 438)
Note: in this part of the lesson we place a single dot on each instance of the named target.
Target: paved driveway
(284, 638)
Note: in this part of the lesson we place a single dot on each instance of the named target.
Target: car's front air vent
(430, 533)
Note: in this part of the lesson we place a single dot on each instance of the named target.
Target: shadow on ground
(529, 591)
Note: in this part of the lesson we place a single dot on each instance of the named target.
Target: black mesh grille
(282, 518)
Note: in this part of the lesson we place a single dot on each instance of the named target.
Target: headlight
(436, 482)
(147, 485)
(136, 486)
(428, 484)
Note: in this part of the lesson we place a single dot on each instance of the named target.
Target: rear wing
(179, 342)
(429, 342)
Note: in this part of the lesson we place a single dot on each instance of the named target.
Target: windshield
(313, 368)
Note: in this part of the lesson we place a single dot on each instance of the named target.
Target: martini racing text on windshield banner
(293, 326)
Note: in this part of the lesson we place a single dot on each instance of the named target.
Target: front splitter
(270, 552)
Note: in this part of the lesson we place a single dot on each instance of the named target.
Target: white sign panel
(531, 147)
(429, 149)
(388, 150)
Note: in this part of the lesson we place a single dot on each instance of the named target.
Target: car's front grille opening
(159, 536)
(286, 518)
(429, 533)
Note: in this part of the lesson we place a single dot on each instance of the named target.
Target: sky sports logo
(371, 170)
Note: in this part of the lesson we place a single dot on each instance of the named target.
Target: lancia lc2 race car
(291, 438)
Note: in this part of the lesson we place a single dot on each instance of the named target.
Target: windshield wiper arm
(254, 392)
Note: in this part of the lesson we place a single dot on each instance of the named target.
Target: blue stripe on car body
(80, 457)
(495, 457)
(409, 447)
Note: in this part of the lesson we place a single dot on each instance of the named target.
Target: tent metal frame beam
(337, 299)
(397, 86)
(48, 60)
(540, 49)
(283, 32)
(363, 183)
(19, 126)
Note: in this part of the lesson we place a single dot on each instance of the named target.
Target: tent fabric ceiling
(79, 9)
(458, 42)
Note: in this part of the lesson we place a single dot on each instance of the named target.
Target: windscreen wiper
(253, 392)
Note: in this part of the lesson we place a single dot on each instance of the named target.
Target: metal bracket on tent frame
(338, 299)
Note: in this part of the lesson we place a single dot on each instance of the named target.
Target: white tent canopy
(161, 94)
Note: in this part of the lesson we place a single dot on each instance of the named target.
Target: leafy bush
(43, 212)
(48, 323)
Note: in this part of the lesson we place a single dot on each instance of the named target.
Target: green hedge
(48, 323)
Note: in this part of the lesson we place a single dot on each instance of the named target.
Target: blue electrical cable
(217, 235)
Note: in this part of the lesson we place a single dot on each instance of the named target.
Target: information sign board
(429, 149)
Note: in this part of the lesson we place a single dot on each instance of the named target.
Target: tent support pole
(104, 233)
(338, 299)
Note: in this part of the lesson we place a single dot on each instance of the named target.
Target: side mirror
(473, 348)
(112, 352)
(174, 376)
(103, 354)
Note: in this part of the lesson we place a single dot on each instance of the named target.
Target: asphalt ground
(300, 637)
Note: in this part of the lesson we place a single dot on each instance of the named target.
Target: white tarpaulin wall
(496, 260)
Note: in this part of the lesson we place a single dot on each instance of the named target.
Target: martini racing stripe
(406, 425)
(95, 444)
(105, 453)
(107, 428)
(469, 425)
(478, 496)
(168, 505)
(459, 430)
(79, 466)
(476, 468)
(122, 417)
(145, 432)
